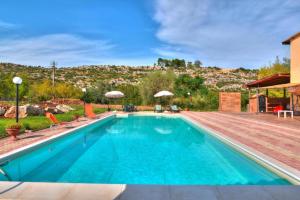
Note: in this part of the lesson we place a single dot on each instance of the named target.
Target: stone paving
(7, 144)
(66, 191)
(265, 133)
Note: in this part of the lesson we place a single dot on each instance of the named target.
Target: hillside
(87, 76)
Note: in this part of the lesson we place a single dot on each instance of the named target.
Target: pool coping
(15, 152)
(277, 167)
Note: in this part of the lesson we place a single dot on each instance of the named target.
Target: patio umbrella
(164, 93)
(114, 95)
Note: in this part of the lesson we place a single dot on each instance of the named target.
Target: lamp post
(17, 81)
(84, 92)
(190, 97)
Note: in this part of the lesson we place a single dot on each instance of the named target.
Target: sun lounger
(55, 121)
(129, 108)
(157, 108)
(89, 111)
(174, 108)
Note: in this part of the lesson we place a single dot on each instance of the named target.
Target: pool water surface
(139, 150)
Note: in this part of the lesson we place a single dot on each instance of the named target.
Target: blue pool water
(139, 150)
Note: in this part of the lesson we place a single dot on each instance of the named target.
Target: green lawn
(41, 122)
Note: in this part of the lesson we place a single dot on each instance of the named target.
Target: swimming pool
(138, 150)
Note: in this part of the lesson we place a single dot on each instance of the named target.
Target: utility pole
(53, 65)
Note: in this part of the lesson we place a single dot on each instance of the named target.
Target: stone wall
(230, 102)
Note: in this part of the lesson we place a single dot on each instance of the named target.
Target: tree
(64, 90)
(88, 97)
(161, 62)
(185, 83)
(99, 91)
(190, 65)
(277, 67)
(44, 91)
(155, 82)
(41, 91)
(132, 94)
(7, 87)
(198, 63)
(177, 63)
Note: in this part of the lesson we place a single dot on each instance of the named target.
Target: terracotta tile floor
(7, 144)
(276, 138)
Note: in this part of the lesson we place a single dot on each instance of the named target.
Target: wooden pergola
(277, 81)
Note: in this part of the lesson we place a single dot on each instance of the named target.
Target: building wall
(252, 105)
(230, 101)
(295, 60)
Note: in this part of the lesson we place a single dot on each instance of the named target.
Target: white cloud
(65, 48)
(6, 26)
(227, 33)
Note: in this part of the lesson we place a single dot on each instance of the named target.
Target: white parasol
(164, 93)
(114, 94)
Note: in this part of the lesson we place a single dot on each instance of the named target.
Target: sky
(224, 33)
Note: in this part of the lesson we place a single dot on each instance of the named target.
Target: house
(288, 82)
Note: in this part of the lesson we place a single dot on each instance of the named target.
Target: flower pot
(13, 132)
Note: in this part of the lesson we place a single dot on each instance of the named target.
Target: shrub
(14, 126)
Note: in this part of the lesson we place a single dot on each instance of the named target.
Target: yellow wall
(295, 60)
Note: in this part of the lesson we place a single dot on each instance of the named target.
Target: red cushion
(277, 108)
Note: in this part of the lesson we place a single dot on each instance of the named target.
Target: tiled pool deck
(278, 139)
(265, 134)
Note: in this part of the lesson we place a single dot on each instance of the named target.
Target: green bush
(205, 102)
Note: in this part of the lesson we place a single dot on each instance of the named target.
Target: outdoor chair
(174, 109)
(129, 108)
(55, 121)
(277, 108)
(158, 108)
(89, 111)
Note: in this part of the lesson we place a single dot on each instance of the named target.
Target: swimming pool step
(122, 116)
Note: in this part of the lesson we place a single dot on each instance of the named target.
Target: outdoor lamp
(17, 81)
(190, 103)
(84, 91)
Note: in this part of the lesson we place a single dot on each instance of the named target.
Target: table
(284, 113)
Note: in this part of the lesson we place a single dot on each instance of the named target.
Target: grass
(36, 123)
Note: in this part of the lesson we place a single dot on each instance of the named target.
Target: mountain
(87, 76)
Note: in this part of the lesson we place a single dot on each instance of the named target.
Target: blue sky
(226, 33)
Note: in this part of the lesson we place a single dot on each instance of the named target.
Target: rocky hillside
(86, 76)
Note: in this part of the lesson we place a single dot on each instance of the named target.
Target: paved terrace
(277, 138)
(45, 191)
(7, 144)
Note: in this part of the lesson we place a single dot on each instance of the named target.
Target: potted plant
(13, 130)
